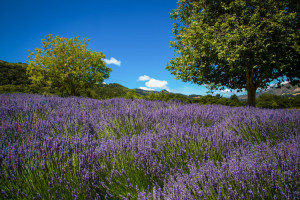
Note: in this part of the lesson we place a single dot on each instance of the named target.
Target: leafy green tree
(218, 96)
(162, 96)
(152, 96)
(208, 99)
(234, 100)
(131, 94)
(236, 44)
(224, 101)
(234, 97)
(66, 64)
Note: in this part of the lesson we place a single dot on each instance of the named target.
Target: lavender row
(260, 171)
(58, 148)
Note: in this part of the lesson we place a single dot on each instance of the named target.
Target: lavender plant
(80, 148)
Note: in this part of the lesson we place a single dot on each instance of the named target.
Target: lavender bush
(80, 148)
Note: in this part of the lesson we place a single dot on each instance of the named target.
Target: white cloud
(153, 83)
(275, 85)
(232, 91)
(285, 82)
(144, 78)
(113, 61)
(146, 88)
(225, 91)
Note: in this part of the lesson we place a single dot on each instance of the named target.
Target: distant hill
(143, 92)
(147, 92)
(111, 90)
(116, 90)
(195, 96)
(285, 90)
(13, 73)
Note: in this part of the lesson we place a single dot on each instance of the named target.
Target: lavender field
(80, 148)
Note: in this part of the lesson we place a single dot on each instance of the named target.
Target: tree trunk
(251, 88)
(251, 92)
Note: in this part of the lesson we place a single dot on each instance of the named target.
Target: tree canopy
(66, 64)
(238, 44)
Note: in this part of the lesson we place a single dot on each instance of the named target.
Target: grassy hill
(110, 90)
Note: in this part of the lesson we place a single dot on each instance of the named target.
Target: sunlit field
(81, 148)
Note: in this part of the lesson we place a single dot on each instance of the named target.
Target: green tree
(236, 44)
(152, 96)
(234, 97)
(234, 100)
(66, 64)
(218, 96)
(131, 94)
(162, 96)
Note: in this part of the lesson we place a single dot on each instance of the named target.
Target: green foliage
(236, 44)
(14, 89)
(162, 96)
(234, 100)
(131, 94)
(295, 101)
(273, 101)
(211, 88)
(234, 97)
(209, 99)
(66, 65)
(13, 73)
(27, 89)
(152, 96)
(218, 96)
(166, 96)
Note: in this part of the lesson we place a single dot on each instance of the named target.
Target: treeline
(263, 101)
(274, 101)
(208, 99)
(13, 79)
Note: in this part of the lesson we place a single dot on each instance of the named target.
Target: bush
(30, 89)
(131, 94)
(272, 101)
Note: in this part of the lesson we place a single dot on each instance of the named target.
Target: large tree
(66, 64)
(238, 44)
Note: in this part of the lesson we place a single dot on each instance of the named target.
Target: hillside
(13, 73)
(110, 90)
(143, 92)
(285, 90)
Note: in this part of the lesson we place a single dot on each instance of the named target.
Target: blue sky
(134, 35)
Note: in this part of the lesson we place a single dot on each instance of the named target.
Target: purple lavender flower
(156, 150)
